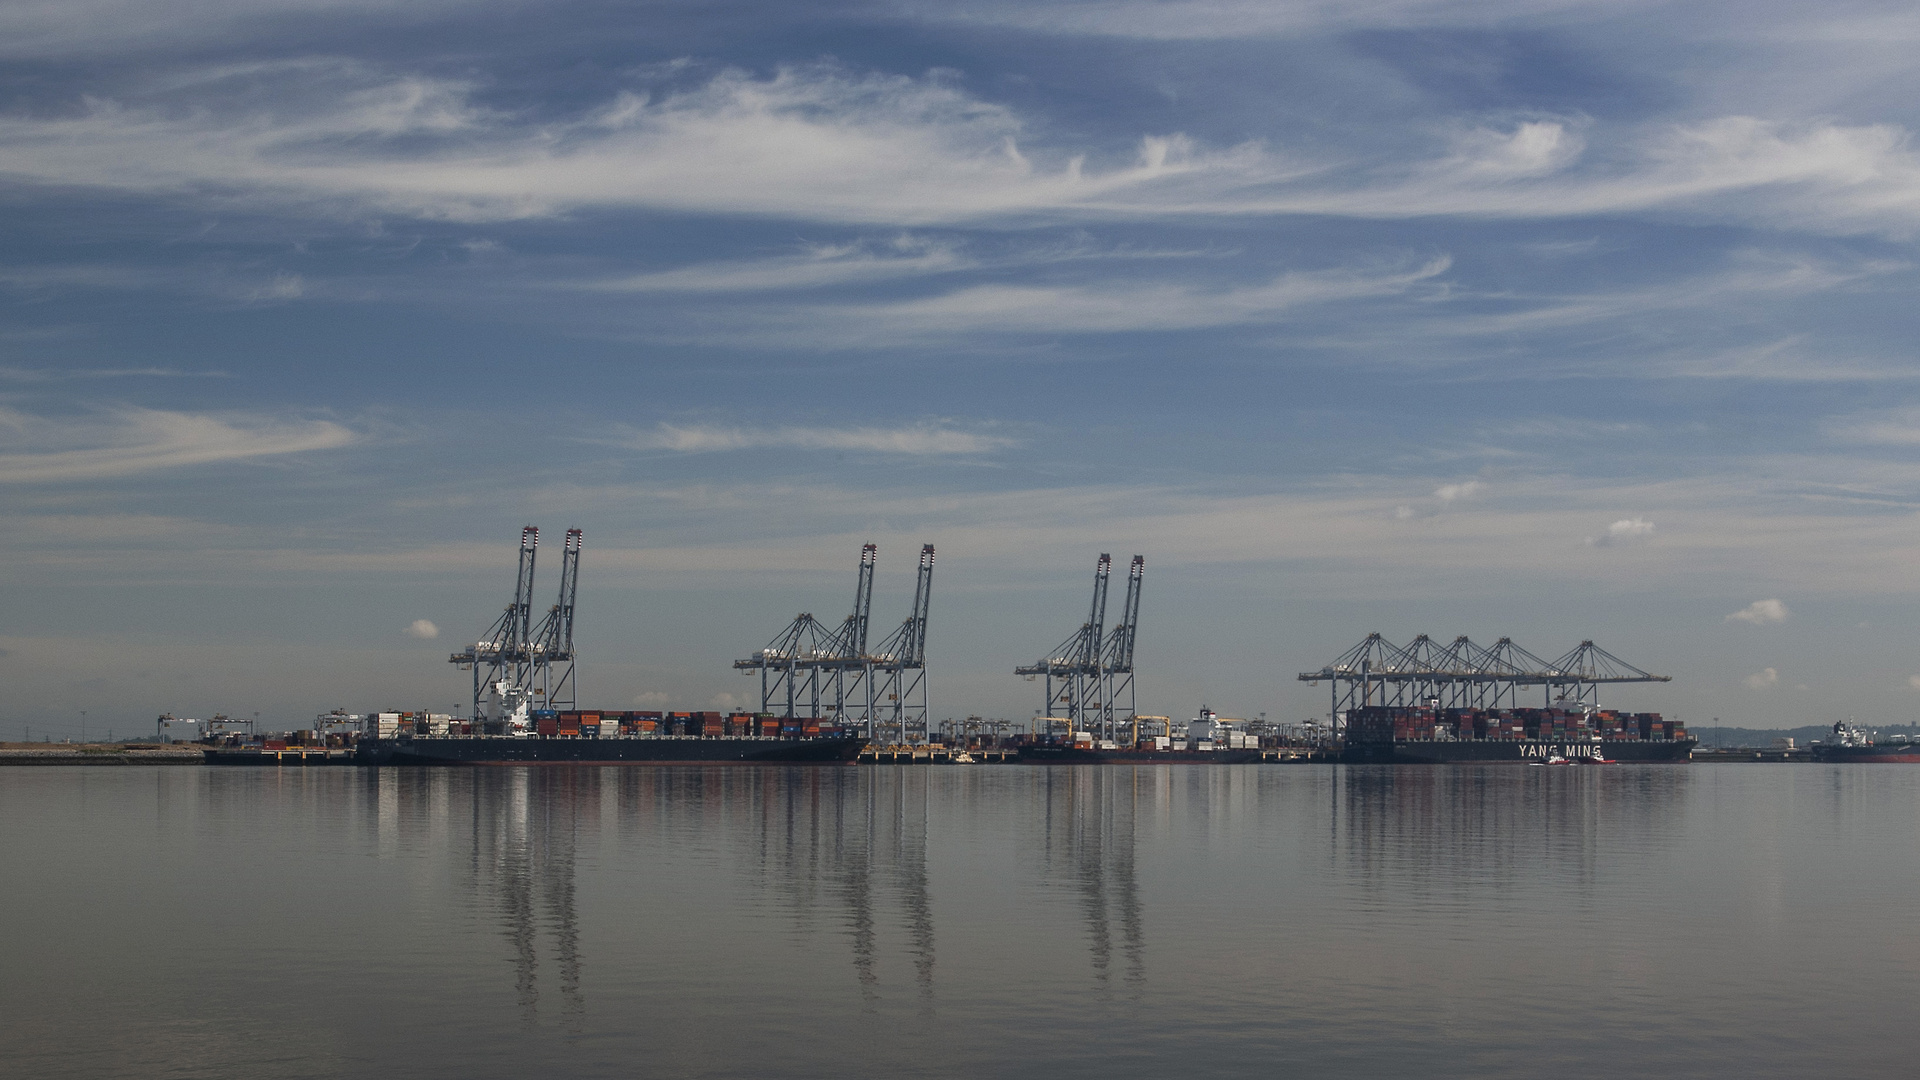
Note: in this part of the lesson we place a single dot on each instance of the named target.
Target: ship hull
(632, 751)
(1517, 751)
(1066, 755)
(1862, 755)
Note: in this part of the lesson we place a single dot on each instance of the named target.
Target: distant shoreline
(23, 753)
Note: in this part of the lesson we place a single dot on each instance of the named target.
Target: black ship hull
(502, 750)
(1887, 754)
(1068, 755)
(1517, 751)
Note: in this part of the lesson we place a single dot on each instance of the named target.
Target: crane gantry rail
(1464, 675)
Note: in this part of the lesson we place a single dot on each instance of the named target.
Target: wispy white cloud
(917, 440)
(813, 142)
(79, 27)
(904, 256)
(1764, 679)
(1761, 613)
(1646, 324)
(117, 530)
(1739, 531)
(282, 287)
(423, 629)
(14, 373)
(822, 143)
(126, 441)
(1897, 427)
(1188, 20)
(1111, 308)
(818, 267)
(1817, 175)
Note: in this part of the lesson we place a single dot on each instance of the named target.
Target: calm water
(1706, 920)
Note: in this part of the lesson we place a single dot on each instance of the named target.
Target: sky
(1538, 319)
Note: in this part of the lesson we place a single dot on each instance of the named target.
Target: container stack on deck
(1381, 723)
(609, 725)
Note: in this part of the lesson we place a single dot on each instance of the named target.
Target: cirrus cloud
(127, 441)
(917, 440)
(820, 142)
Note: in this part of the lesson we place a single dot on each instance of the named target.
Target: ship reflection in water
(1014, 920)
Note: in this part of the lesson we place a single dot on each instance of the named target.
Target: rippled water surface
(1706, 920)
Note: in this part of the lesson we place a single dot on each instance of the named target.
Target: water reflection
(850, 845)
(860, 861)
(1089, 838)
(526, 823)
(1027, 923)
(523, 827)
(1397, 830)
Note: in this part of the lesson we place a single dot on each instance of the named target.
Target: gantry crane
(1076, 671)
(502, 661)
(811, 670)
(553, 639)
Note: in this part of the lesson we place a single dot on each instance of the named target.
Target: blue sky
(1549, 320)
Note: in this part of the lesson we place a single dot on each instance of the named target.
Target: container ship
(608, 738)
(1849, 744)
(1379, 734)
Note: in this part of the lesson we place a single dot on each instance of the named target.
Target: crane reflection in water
(680, 852)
